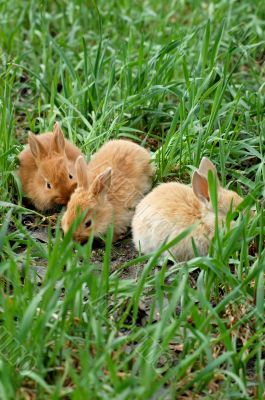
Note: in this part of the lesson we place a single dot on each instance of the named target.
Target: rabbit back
(132, 172)
(166, 212)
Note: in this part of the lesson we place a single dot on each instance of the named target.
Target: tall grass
(185, 78)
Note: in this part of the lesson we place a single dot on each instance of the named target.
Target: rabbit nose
(80, 238)
(77, 238)
(61, 200)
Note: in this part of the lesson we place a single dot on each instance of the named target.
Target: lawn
(100, 321)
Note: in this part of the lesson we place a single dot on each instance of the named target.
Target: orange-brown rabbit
(109, 188)
(173, 207)
(46, 169)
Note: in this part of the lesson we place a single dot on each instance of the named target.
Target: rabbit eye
(88, 223)
(49, 186)
(70, 176)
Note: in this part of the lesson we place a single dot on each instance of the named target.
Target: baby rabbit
(47, 170)
(108, 189)
(172, 207)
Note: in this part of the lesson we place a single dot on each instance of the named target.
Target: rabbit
(108, 189)
(173, 207)
(46, 169)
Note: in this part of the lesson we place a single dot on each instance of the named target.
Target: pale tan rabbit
(46, 169)
(109, 188)
(173, 207)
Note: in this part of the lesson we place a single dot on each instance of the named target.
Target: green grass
(185, 78)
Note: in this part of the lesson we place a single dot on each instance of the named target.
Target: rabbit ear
(81, 172)
(58, 143)
(205, 166)
(36, 148)
(102, 183)
(200, 187)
